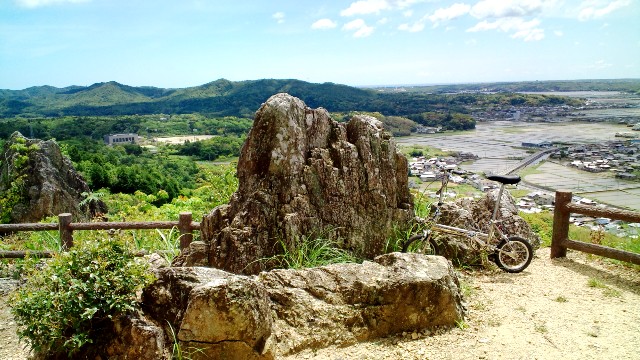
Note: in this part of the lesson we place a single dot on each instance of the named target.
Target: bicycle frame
(484, 239)
(512, 254)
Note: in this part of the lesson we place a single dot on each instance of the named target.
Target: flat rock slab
(285, 311)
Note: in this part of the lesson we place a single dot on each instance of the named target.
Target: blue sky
(186, 43)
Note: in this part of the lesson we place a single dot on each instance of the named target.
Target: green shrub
(64, 306)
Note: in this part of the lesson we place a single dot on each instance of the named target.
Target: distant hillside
(218, 98)
(221, 97)
(623, 85)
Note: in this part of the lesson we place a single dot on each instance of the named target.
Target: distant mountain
(242, 98)
(220, 97)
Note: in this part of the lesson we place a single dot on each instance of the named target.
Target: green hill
(242, 98)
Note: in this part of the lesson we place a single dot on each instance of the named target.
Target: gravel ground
(574, 308)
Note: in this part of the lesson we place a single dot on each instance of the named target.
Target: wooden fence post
(186, 232)
(66, 234)
(560, 224)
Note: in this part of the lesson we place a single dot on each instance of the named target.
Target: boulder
(211, 313)
(37, 181)
(137, 338)
(475, 214)
(343, 304)
(214, 314)
(302, 174)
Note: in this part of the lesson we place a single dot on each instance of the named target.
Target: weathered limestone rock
(50, 184)
(138, 338)
(343, 304)
(227, 316)
(475, 215)
(302, 174)
(223, 316)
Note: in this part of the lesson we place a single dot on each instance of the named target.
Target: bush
(62, 307)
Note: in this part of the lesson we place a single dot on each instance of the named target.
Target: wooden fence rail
(185, 225)
(560, 241)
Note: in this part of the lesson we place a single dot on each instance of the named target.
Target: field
(182, 139)
(499, 144)
(601, 187)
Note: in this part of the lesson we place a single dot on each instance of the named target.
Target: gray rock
(227, 316)
(343, 304)
(213, 314)
(50, 184)
(302, 174)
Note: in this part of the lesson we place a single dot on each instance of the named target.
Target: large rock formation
(302, 174)
(37, 181)
(212, 314)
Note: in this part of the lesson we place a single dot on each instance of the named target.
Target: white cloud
(598, 9)
(558, 33)
(508, 8)
(364, 7)
(39, 3)
(324, 24)
(279, 17)
(446, 14)
(402, 4)
(600, 64)
(408, 13)
(359, 28)
(529, 34)
(526, 30)
(418, 26)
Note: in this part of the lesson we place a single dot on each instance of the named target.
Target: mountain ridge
(223, 97)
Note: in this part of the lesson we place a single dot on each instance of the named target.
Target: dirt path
(575, 308)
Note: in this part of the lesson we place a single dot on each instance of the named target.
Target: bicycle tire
(430, 249)
(514, 254)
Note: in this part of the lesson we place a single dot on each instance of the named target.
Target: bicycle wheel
(420, 244)
(514, 254)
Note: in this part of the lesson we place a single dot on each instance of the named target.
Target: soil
(579, 307)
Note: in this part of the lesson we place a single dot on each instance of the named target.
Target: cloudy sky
(181, 43)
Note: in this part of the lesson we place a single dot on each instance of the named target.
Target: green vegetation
(223, 98)
(14, 180)
(312, 251)
(606, 290)
(445, 120)
(77, 295)
(541, 224)
(214, 186)
(149, 126)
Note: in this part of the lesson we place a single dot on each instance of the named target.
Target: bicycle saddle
(505, 179)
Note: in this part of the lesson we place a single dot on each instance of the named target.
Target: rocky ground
(575, 308)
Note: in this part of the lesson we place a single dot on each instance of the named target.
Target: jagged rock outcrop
(475, 214)
(214, 314)
(302, 174)
(37, 181)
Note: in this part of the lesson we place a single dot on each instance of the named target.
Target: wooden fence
(185, 225)
(560, 241)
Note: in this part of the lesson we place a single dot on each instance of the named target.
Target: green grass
(309, 251)
(542, 224)
(606, 290)
(529, 170)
